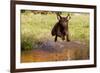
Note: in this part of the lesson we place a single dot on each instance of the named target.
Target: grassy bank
(36, 28)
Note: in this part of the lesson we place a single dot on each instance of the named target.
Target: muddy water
(56, 51)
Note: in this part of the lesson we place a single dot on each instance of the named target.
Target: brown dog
(60, 29)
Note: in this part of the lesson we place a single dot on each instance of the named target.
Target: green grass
(79, 27)
(36, 28)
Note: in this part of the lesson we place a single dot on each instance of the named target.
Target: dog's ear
(68, 17)
(58, 16)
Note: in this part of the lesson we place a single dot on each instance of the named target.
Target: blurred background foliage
(36, 27)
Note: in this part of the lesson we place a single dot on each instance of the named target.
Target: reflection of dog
(60, 29)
